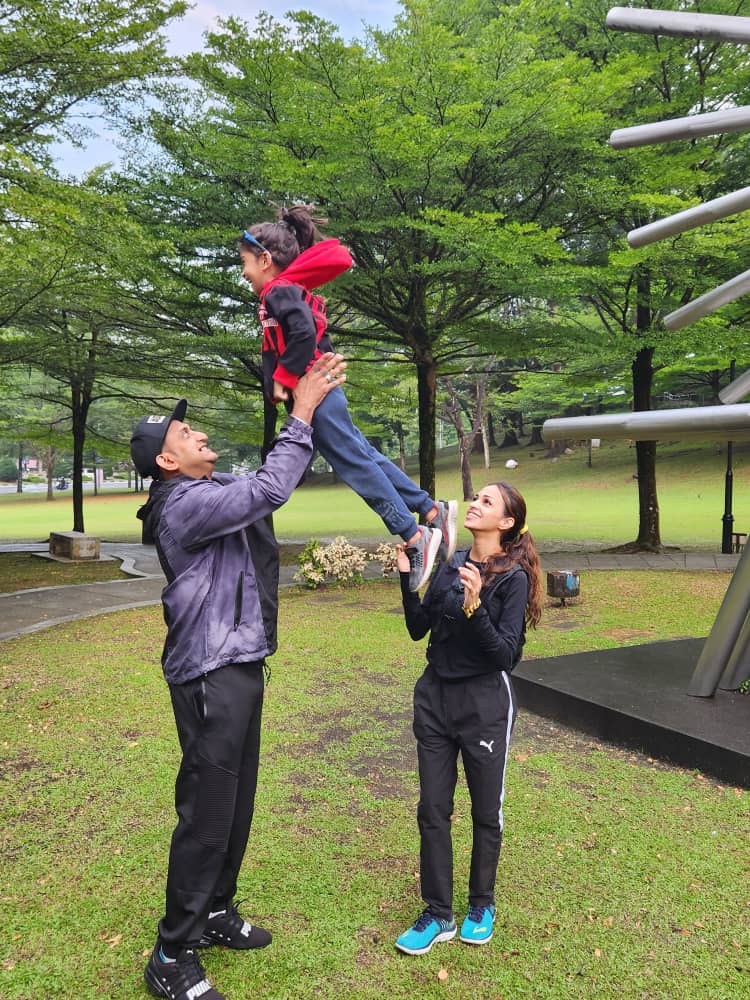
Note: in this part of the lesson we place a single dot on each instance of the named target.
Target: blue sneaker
(477, 925)
(427, 930)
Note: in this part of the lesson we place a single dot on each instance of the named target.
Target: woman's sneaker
(426, 932)
(446, 522)
(181, 978)
(226, 926)
(478, 924)
(422, 556)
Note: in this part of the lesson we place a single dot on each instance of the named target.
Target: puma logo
(483, 743)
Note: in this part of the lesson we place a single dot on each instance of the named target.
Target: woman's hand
(472, 581)
(312, 388)
(402, 560)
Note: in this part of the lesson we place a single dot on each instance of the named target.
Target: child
(284, 261)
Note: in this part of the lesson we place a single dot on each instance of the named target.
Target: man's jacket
(293, 318)
(460, 647)
(220, 559)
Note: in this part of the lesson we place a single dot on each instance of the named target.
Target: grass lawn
(620, 877)
(24, 570)
(570, 505)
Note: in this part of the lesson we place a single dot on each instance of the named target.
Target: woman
(476, 609)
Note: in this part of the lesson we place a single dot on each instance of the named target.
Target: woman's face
(486, 512)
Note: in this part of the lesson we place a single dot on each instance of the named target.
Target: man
(221, 563)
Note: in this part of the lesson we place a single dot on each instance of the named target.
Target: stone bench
(73, 545)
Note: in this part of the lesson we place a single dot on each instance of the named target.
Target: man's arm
(208, 510)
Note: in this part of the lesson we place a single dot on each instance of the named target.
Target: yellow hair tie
(524, 529)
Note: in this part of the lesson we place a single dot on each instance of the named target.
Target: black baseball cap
(148, 439)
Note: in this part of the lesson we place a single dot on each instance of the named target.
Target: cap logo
(155, 420)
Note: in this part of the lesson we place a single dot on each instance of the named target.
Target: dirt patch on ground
(626, 634)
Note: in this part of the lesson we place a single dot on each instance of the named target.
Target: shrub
(8, 469)
(339, 562)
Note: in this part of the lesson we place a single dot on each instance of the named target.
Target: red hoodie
(293, 318)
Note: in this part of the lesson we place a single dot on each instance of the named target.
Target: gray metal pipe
(733, 289)
(724, 633)
(699, 215)
(726, 27)
(736, 389)
(696, 423)
(689, 127)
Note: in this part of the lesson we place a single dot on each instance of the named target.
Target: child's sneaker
(478, 924)
(446, 521)
(227, 927)
(425, 932)
(422, 557)
(182, 978)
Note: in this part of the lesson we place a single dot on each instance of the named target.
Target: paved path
(30, 610)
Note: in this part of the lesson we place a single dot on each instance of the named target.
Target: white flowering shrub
(339, 562)
(385, 554)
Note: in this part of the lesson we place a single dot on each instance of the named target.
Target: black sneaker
(228, 928)
(182, 979)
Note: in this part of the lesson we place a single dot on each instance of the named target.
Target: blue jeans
(381, 484)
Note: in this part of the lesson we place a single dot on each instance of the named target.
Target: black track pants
(476, 717)
(218, 722)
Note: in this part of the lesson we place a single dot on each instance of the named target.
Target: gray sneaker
(445, 521)
(422, 556)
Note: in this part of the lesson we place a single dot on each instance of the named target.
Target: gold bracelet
(471, 608)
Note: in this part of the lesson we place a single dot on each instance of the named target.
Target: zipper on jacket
(204, 702)
(238, 600)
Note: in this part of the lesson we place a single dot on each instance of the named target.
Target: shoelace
(424, 918)
(190, 969)
(476, 913)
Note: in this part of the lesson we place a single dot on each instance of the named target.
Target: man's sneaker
(182, 978)
(422, 557)
(227, 927)
(445, 521)
(477, 925)
(426, 932)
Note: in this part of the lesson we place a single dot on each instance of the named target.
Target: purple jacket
(220, 559)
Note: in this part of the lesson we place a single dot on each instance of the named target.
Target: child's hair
(295, 231)
(518, 550)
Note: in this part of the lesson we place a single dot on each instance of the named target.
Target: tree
(434, 147)
(57, 54)
(631, 291)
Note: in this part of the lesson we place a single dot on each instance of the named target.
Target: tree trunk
(269, 427)
(19, 469)
(426, 395)
(78, 413)
(491, 430)
(401, 446)
(649, 536)
(51, 460)
(536, 435)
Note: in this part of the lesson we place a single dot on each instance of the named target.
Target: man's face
(185, 451)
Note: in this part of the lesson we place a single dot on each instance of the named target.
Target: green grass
(619, 878)
(569, 504)
(24, 570)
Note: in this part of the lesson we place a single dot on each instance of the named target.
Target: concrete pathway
(31, 610)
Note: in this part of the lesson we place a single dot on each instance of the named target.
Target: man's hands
(312, 388)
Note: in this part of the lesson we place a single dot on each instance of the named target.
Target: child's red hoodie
(293, 319)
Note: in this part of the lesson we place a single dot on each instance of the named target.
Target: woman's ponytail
(518, 550)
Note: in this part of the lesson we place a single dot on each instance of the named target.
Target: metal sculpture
(725, 659)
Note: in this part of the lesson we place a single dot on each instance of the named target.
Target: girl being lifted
(285, 261)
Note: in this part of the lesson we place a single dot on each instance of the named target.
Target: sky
(185, 35)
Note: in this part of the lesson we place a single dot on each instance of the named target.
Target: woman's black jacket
(459, 647)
